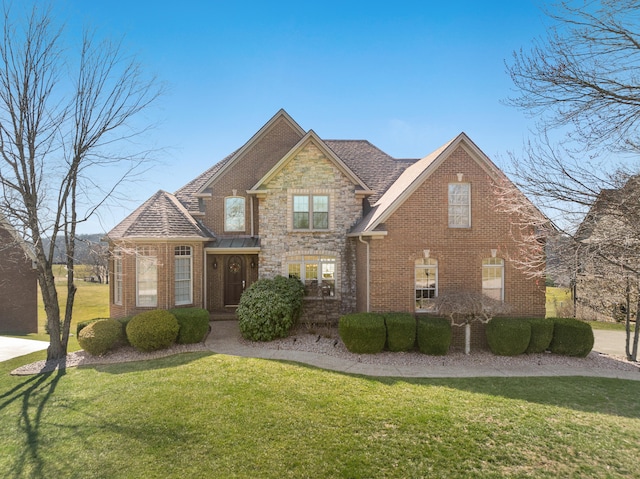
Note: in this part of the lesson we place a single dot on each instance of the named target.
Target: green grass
(558, 299)
(206, 415)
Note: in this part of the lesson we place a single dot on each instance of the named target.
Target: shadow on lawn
(171, 361)
(34, 394)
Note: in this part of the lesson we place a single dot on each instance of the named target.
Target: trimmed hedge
(264, 315)
(152, 330)
(100, 335)
(434, 335)
(194, 324)
(571, 337)
(541, 335)
(508, 336)
(401, 331)
(83, 324)
(363, 333)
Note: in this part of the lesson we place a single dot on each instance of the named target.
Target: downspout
(203, 279)
(368, 273)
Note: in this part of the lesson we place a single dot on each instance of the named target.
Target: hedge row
(514, 336)
(148, 331)
(369, 333)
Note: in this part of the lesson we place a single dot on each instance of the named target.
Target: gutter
(368, 273)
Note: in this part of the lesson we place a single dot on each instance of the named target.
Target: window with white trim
(426, 274)
(459, 205)
(310, 212)
(317, 273)
(183, 263)
(146, 278)
(234, 213)
(117, 278)
(493, 278)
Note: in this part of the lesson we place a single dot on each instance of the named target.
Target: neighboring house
(607, 251)
(18, 283)
(362, 230)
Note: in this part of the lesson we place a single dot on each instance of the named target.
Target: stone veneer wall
(310, 171)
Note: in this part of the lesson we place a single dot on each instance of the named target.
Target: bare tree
(581, 83)
(465, 307)
(98, 259)
(61, 124)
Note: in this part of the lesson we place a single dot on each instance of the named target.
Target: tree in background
(582, 84)
(63, 121)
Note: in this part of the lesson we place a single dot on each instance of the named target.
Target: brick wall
(421, 222)
(164, 251)
(18, 288)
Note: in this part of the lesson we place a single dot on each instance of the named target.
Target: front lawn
(207, 415)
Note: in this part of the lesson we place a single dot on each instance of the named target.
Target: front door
(234, 281)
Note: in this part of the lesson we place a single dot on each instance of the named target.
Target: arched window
(426, 273)
(493, 278)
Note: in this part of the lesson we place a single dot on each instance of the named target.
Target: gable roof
(19, 240)
(414, 176)
(280, 115)
(375, 167)
(161, 216)
(312, 137)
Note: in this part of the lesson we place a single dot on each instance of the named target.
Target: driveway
(610, 342)
(14, 347)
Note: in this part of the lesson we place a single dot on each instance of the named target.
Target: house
(18, 283)
(607, 251)
(362, 230)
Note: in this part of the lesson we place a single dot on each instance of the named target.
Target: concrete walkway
(224, 337)
(13, 347)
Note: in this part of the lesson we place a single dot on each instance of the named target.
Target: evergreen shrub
(571, 337)
(265, 314)
(541, 335)
(434, 335)
(508, 336)
(401, 331)
(100, 335)
(194, 324)
(363, 333)
(152, 330)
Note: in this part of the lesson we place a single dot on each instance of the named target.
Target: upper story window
(234, 213)
(493, 278)
(459, 205)
(310, 212)
(426, 273)
(146, 277)
(183, 289)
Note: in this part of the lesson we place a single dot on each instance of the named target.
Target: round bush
(152, 330)
(571, 337)
(100, 336)
(363, 333)
(508, 336)
(541, 335)
(194, 324)
(401, 331)
(434, 336)
(263, 314)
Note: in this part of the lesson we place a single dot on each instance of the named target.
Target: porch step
(222, 316)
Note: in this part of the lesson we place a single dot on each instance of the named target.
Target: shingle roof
(186, 194)
(376, 168)
(161, 216)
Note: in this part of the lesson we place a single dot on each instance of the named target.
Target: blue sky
(407, 76)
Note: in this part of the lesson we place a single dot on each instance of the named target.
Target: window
(426, 271)
(117, 279)
(318, 273)
(183, 289)
(310, 212)
(234, 213)
(146, 278)
(493, 278)
(459, 205)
